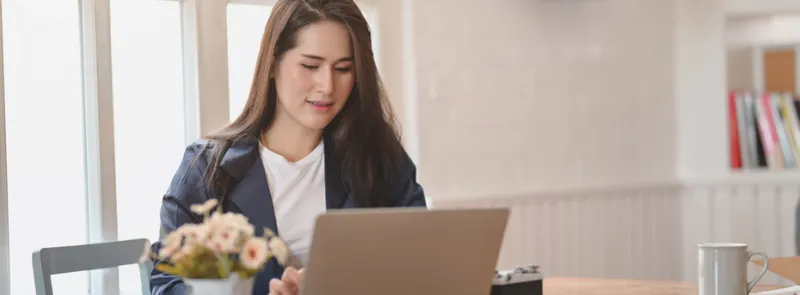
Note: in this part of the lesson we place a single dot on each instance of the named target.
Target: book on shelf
(764, 130)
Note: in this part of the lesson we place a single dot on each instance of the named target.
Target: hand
(289, 284)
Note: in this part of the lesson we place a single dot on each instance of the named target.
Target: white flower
(268, 233)
(182, 252)
(147, 252)
(277, 247)
(169, 249)
(231, 221)
(194, 233)
(205, 207)
(171, 243)
(223, 241)
(254, 253)
(174, 237)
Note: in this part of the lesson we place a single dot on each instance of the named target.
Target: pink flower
(224, 240)
(254, 253)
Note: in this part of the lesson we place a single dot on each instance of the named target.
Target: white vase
(234, 285)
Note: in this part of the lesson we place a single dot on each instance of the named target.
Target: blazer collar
(243, 162)
(240, 157)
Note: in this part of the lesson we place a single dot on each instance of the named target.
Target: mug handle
(753, 282)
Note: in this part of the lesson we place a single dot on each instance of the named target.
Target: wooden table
(587, 286)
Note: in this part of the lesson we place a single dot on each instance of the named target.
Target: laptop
(402, 251)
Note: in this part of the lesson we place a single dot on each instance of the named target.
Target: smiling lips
(321, 106)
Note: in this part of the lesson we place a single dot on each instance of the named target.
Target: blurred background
(621, 133)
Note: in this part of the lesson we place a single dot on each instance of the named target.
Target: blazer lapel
(251, 193)
(254, 200)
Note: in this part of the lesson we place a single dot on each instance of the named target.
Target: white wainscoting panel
(760, 213)
(618, 233)
(645, 232)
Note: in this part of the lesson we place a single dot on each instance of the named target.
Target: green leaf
(223, 266)
(172, 269)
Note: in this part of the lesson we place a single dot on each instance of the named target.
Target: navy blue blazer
(250, 196)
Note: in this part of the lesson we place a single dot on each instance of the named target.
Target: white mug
(722, 269)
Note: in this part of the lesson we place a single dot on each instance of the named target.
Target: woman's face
(314, 79)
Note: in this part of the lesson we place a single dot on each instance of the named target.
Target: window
(246, 24)
(44, 121)
(148, 115)
(46, 125)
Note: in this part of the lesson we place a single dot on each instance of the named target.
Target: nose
(325, 81)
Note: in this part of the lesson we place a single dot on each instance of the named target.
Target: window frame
(5, 255)
(98, 116)
(205, 50)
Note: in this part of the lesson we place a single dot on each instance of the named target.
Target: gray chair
(59, 260)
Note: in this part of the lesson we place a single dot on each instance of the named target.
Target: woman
(316, 133)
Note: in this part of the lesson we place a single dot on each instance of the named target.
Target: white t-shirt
(298, 196)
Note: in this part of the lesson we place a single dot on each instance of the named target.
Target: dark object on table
(521, 281)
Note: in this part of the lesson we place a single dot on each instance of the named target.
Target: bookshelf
(764, 131)
(763, 105)
(705, 34)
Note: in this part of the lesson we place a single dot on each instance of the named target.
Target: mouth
(322, 106)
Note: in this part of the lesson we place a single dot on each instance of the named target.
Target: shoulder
(196, 155)
(405, 188)
(199, 146)
(191, 170)
(405, 165)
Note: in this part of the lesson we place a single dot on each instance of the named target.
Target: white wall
(701, 89)
(763, 30)
(519, 96)
(759, 7)
(551, 95)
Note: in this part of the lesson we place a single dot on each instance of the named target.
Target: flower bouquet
(219, 256)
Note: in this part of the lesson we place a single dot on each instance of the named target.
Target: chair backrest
(59, 260)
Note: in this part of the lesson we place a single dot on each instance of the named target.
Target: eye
(344, 69)
(310, 67)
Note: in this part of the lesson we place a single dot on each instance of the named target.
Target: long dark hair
(365, 140)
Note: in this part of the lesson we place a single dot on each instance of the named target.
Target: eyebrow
(349, 58)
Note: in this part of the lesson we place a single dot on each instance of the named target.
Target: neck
(289, 139)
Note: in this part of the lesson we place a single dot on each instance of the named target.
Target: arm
(407, 192)
(184, 190)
